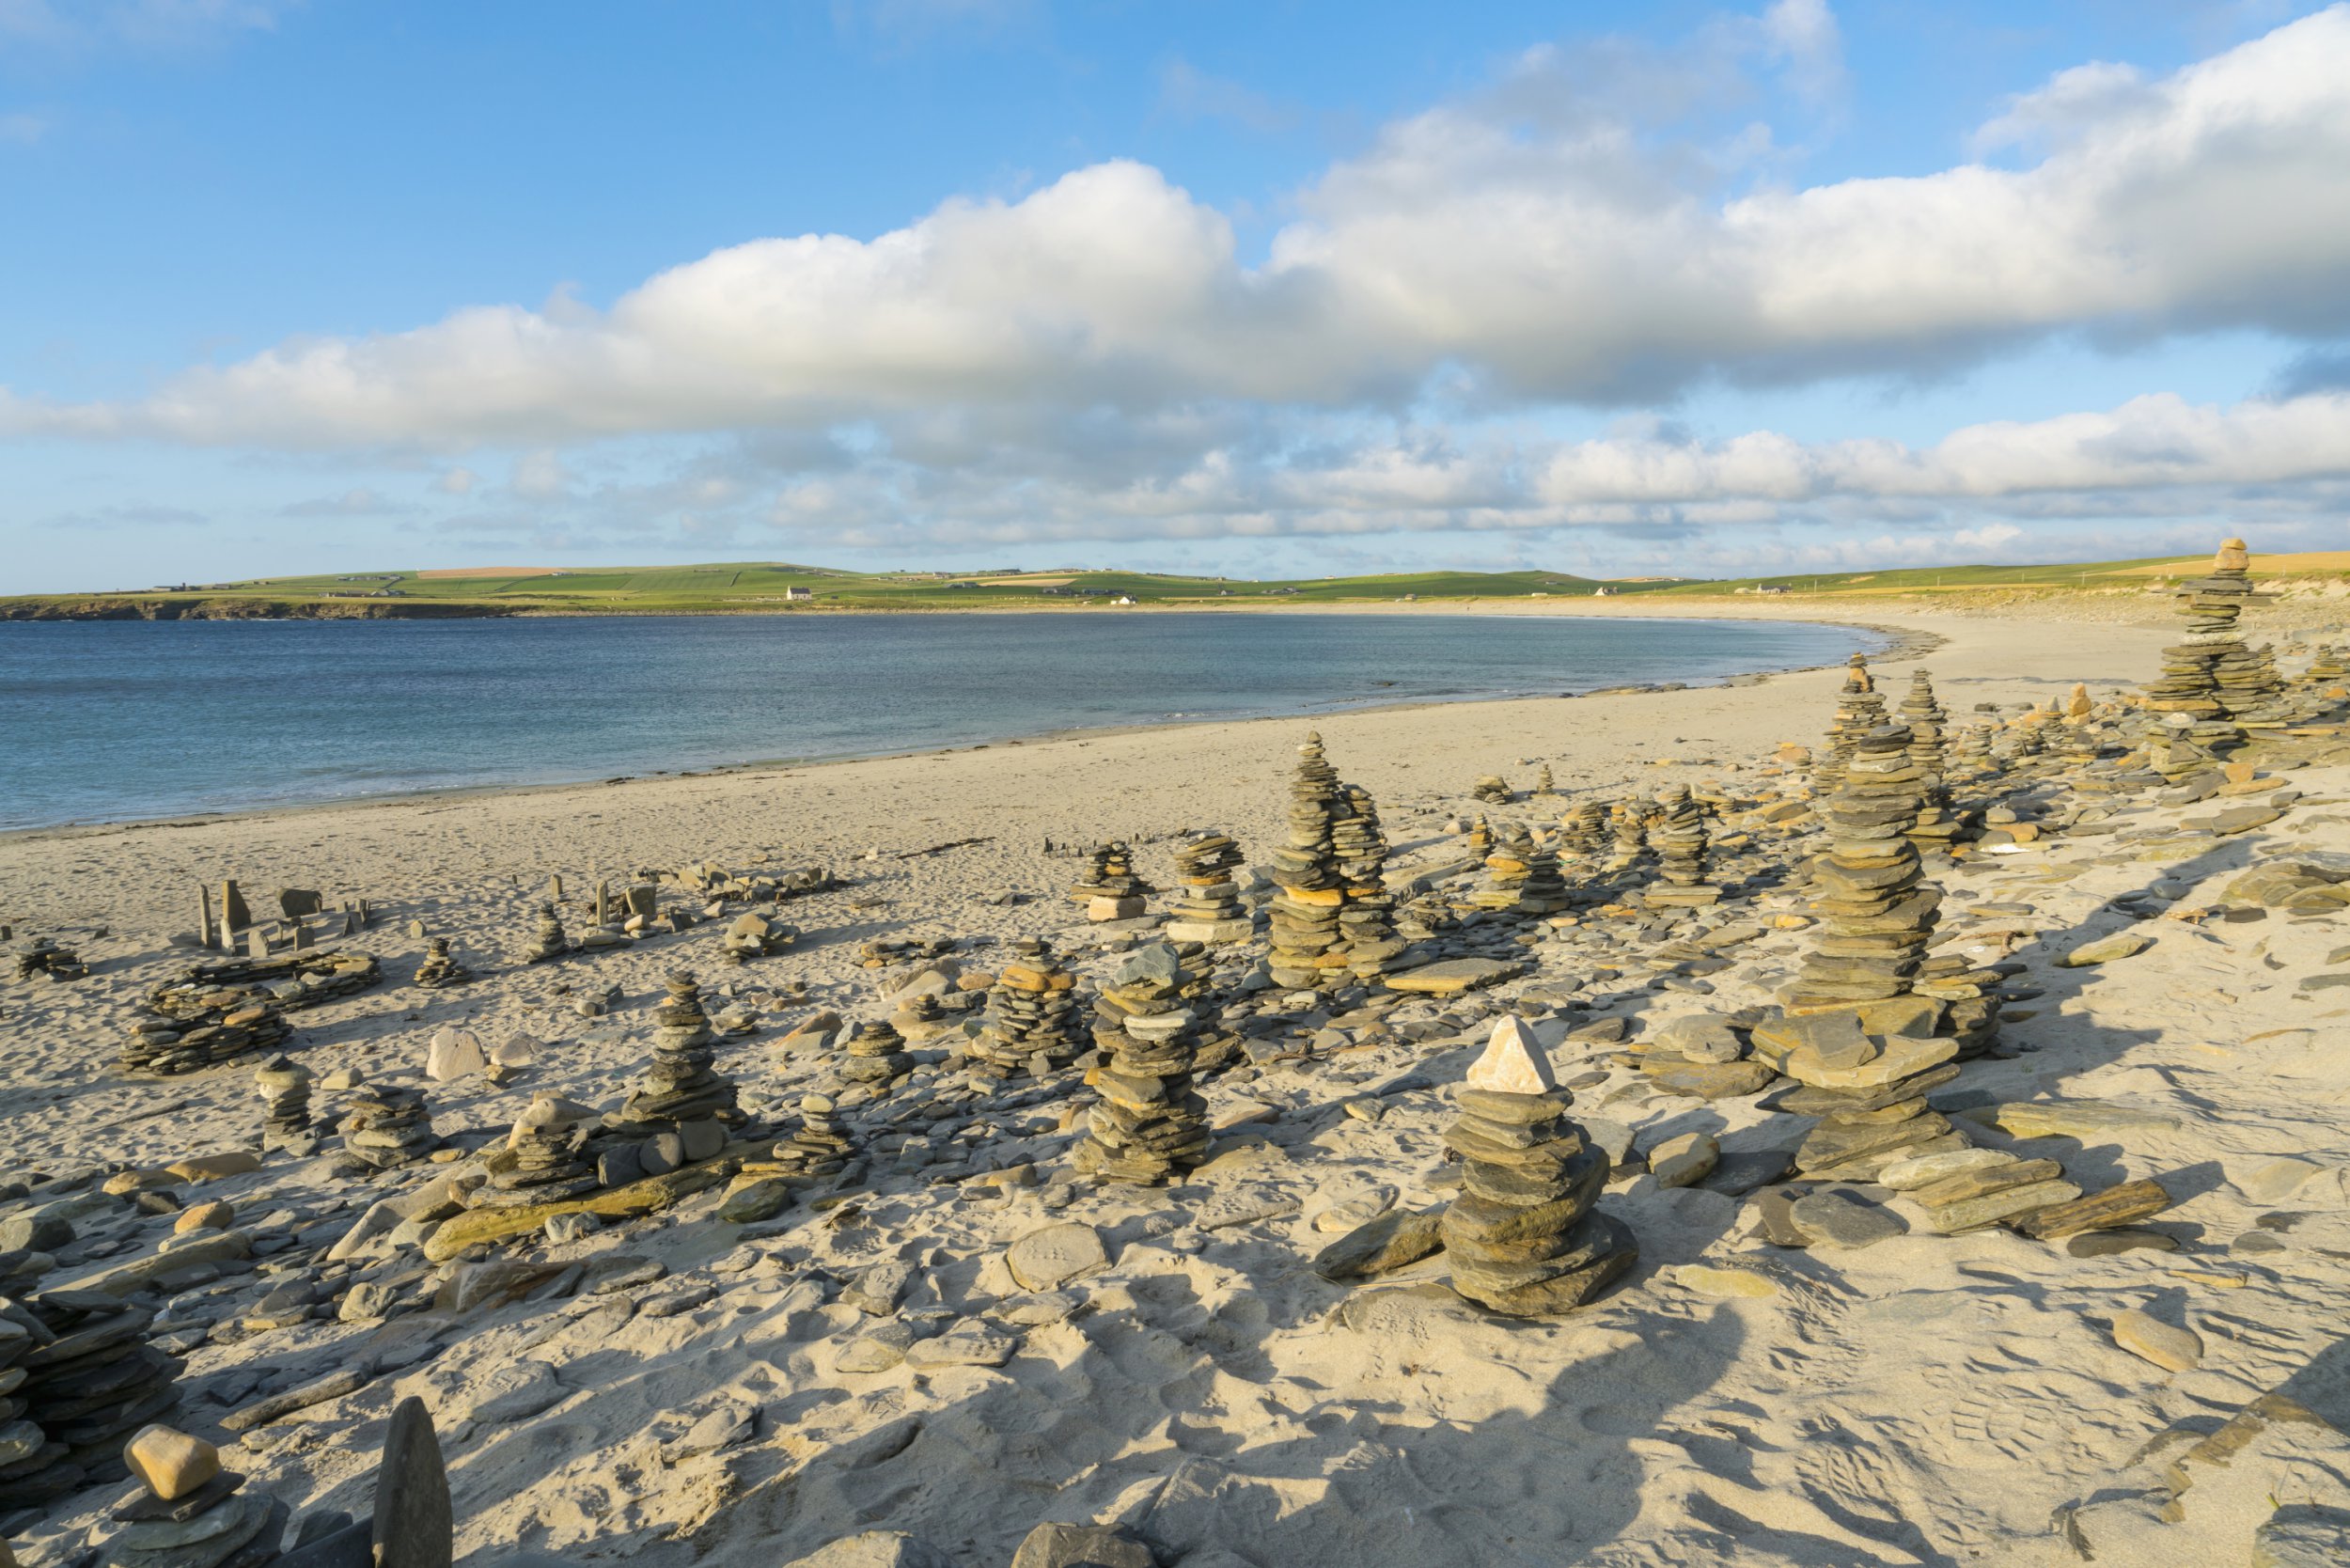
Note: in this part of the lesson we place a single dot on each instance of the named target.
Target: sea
(111, 721)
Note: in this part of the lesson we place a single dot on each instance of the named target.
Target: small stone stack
(1032, 1023)
(189, 1513)
(1305, 937)
(1110, 890)
(1970, 750)
(1628, 824)
(682, 1086)
(385, 1127)
(1491, 790)
(820, 1146)
(1678, 834)
(2329, 668)
(1523, 1237)
(1506, 871)
(1150, 1124)
(1543, 788)
(92, 1384)
(1858, 711)
(875, 1053)
(1937, 826)
(1366, 920)
(438, 968)
(1544, 891)
(2208, 673)
(42, 958)
(751, 936)
(551, 941)
(1208, 909)
(1480, 841)
(1583, 831)
(1867, 1088)
(1867, 888)
(920, 1018)
(545, 1159)
(284, 1085)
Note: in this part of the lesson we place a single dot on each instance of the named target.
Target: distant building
(1603, 592)
(1122, 599)
(798, 593)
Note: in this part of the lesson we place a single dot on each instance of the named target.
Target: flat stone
(1047, 1259)
(1995, 1208)
(1453, 976)
(967, 1344)
(1053, 1545)
(1729, 1080)
(1924, 1169)
(2276, 1180)
(2107, 1243)
(2107, 949)
(1738, 1172)
(2117, 1206)
(1724, 1282)
(511, 1392)
(2150, 1338)
(2302, 1535)
(1392, 1241)
(2083, 1120)
(1839, 1218)
(1684, 1161)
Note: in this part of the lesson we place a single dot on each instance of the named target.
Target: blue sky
(1261, 288)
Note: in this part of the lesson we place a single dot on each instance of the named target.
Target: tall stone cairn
(1306, 941)
(1150, 1124)
(1858, 710)
(1877, 911)
(1936, 824)
(1678, 834)
(284, 1086)
(2208, 673)
(1358, 845)
(1479, 839)
(682, 1086)
(1523, 1237)
(550, 941)
(1208, 908)
(1032, 1021)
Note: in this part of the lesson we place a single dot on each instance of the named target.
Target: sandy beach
(1923, 1400)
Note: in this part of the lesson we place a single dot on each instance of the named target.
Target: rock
(878, 1349)
(1684, 1161)
(1453, 976)
(1047, 1259)
(2151, 1339)
(204, 1217)
(414, 1526)
(1725, 1281)
(2106, 1244)
(212, 1167)
(2276, 1180)
(757, 1201)
(1921, 1171)
(2006, 1205)
(875, 1548)
(2084, 1120)
(454, 1054)
(966, 1344)
(721, 1428)
(1729, 1080)
(2107, 949)
(1356, 1211)
(170, 1463)
(1513, 1061)
(2302, 1535)
(1381, 1245)
(650, 1195)
(1081, 1547)
(877, 1290)
(2116, 1206)
(1837, 1217)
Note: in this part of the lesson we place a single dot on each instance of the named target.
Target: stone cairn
(1544, 891)
(1305, 937)
(1628, 830)
(1492, 790)
(1149, 1122)
(284, 1086)
(439, 969)
(751, 934)
(1936, 824)
(1110, 889)
(1358, 844)
(1864, 1072)
(161, 1047)
(2329, 668)
(188, 1512)
(1506, 871)
(682, 1095)
(1480, 840)
(875, 1055)
(1583, 831)
(545, 1159)
(90, 1380)
(1858, 710)
(820, 1145)
(386, 1126)
(2208, 672)
(1543, 786)
(1523, 1237)
(214, 1011)
(1867, 888)
(1209, 910)
(1678, 835)
(920, 1019)
(550, 943)
(43, 959)
(1032, 1021)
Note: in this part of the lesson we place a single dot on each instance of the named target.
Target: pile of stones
(166, 1047)
(1678, 835)
(220, 1010)
(1867, 889)
(385, 1126)
(1479, 840)
(42, 958)
(2208, 676)
(551, 941)
(1937, 826)
(439, 969)
(1523, 1237)
(2330, 667)
(920, 1018)
(1304, 939)
(1358, 848)
(189, 1513)
(1110, 890)
(1150, 1124)
(895, 952)
(1865, 1073)
(1492, 790)
(284, 1086)
(1583, 831)
(1968, 1189)
(1858, 711)
(90, 1382)
(1506, 871)
(1627, 824)
(1033, 1025)
(545, 1158)
(751, 936)
(681, 1094)
(820, 1145)
(875, 1055)
(1209, 910)
(1544, 891)
(1543, 786)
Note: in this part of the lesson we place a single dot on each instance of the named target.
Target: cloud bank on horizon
(1104, 361)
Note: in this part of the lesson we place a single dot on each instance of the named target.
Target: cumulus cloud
(1534, 251)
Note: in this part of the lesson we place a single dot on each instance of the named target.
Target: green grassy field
(765, 586)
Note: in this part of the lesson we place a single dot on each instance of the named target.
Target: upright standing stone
(234, 916)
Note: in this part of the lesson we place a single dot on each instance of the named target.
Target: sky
(303, 286)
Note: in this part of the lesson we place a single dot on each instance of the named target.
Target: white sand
(1925, 1400)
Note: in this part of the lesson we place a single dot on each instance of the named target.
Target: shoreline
(1903, 644)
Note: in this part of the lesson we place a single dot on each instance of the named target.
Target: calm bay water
(115, 720)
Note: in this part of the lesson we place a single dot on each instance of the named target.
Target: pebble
(2150, 1338)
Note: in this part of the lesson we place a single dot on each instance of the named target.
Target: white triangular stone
(1514, 1062)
